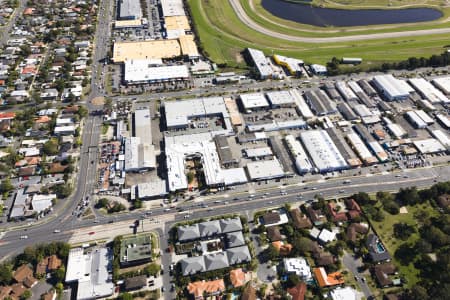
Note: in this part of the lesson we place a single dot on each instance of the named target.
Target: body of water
(319, 16)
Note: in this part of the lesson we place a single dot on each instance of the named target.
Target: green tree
(82, 111)
(138, 204)
(362, 198)
(50, 147)
(190, 177)
(152, 269)
(403, 231)
(59, 287)
(6, 186)
(125, 296)
(417, 292)
(271, 253)
(6, 273)
(26, 295)
(408, 195)
(101, 203)
(292, 280)
(62, 190)
(59, 274)
(391, 207)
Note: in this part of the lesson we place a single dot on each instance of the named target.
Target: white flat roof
(414, 117)
(152, 188)
(68, 128)
(234, 176)
(344, 293)
(362, 110)
(143, 71)
(428, 91)
(391, 86)
(443, 83)
(444, 120)
(299, 266)
(138, 155)
(318, 68)
(441, 137)
(302, 161)
(429, 146)
(261, 62)
(345, 91)
(172, 8)
(265, 169)
(396, 130)
(424, 116)
(360, 147)
(322, 150)
(327, 236)
(355, 87)
(76, 265)
(179, 112)
(253, 100)
(143, 125)
(301, 104)
(175, 158)
(280, 97)
(99, 284)
(258, 152)
(130, 9)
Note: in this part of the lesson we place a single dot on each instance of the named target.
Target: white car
(23, 237)
(56, 231)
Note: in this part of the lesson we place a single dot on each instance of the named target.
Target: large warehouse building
(442, 83)
(323, 151)
(261, 63)
(302, 162)
(142, 71)
(179, 113)
(176, 154)
(157, 49)
(172, 8)
(428, 91)
(130, 10)
(392, 88)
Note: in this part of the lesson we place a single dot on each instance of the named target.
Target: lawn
(257, 13)
(384, 230)
(223, 36)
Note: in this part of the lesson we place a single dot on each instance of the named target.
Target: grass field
(223, 36)
(375, 3)
(385, 232)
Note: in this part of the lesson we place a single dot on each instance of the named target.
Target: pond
(319, 16)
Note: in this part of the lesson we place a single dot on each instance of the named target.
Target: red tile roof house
(336, 216)
(298, 292)
(24, 275)
(5, 120)
(354, 210)
(28, 71)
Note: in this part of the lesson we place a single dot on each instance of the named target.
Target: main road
(86, 174)
(223, 203)
(244, 18)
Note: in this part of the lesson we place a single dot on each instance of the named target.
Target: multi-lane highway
(224, 203)
(86, 174)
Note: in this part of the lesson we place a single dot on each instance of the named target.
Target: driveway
(265, 272)
(352, 264)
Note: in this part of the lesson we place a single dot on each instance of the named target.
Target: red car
(91, 233)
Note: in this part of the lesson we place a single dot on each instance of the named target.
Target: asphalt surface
(240, 12)
(352, 264)
(224, 203)
(6, 30)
